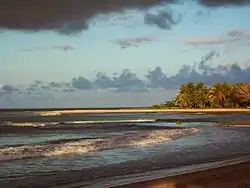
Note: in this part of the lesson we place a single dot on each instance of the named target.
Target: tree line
(219, 95)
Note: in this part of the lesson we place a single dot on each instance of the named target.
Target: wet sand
(231, 176)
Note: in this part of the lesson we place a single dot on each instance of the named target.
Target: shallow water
(64, 149)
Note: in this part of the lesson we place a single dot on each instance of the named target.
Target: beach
(206, 110)
(82, 150)
(229, 176)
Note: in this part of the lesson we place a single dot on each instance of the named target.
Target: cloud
(62, 47)
(72, 16)
(133, 41)
(81, 83)
(33, 49)
(240, 36)
(127, 81)
(64, 16)
(8, 89)
(163, 19)
(223, 3)
(201, 16)
(204, 41)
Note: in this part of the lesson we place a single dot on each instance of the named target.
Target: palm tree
(186, 95)
(217, 93)
(227, 92)
(233, 97)
(243, 93)
(201, 95)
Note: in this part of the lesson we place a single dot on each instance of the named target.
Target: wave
(84, 146)
(47, 124)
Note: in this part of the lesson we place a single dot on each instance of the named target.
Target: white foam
(41, 124)
(129, 139)
(110, 121)
(29, 124)
(49, 113)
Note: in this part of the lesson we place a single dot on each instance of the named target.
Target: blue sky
(26, 56)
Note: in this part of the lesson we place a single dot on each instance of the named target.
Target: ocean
(35, 145)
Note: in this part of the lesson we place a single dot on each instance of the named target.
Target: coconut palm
(201, 95)
(233, 97)
(186, 95)
(243, 93)
(217, 93)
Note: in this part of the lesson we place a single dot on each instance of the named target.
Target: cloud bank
(72, 16)
(128, 81)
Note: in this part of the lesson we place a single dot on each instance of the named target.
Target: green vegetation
(219, 95)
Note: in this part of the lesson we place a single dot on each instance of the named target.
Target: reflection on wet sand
(224, 177)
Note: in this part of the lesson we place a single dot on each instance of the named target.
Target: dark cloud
(208, 57)
(162, 19)
(8, 89)
(65, 16)
(156, 78)
(103, 81)
(81, 83)
(127, 81)
(72, 16)
(223, 3)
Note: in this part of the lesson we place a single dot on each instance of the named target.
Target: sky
(140, 56)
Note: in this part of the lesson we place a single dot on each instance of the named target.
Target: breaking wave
(84, 146)
(42, 124)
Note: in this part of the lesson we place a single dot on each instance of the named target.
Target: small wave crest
(84, 146)
(47, 124)
(53, 113)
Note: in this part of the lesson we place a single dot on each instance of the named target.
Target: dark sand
(233, 176)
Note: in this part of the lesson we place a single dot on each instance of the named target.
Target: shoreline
(221, 176)
(208, 110)
(165, 175)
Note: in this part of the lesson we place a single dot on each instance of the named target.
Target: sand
(212, 174)
(210, 110)
(223, 177)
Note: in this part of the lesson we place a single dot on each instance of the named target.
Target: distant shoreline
(62, 109)
(210, 110)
